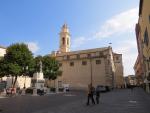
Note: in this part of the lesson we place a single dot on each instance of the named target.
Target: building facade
(83, 67)
(139, 66)
(2, 51)
(143, 42)
(130, 81)
(139, 72)
(119, 79)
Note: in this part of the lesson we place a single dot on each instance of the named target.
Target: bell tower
(64, 39)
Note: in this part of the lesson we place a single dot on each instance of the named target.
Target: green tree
(15, 61)
(51, 68)
(2, 68)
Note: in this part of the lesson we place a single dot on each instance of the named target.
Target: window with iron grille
(84, 62)
(89, 55)
(117, 58)
(71, 63)
(78, 56)
(146, 38)
(60, 64)
(98, 61)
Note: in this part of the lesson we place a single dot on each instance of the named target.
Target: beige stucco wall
(79, 76)
(19, 83)
(119, 79)
(144, 22)
(2, 52)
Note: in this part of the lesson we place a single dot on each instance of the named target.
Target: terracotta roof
(84, 51)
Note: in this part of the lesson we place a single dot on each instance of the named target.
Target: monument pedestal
(23, 92)
(38, 82)
(48, 91)
(34, 92)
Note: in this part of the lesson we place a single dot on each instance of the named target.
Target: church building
(98, 66)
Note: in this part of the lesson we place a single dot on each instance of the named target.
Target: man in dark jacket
(90, 94)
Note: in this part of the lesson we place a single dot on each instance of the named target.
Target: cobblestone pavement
(117, 101)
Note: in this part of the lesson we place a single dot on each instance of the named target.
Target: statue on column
(40, 66)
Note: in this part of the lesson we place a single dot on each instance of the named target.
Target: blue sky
(92, 24)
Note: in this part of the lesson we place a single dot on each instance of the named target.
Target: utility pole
(91, 70)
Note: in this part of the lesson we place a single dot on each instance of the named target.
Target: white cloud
(123, 22)
(33, 46)
(77, 42)
(118, 24)
(129, 52)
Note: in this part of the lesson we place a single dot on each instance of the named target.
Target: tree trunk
(25, 82)
(54, 83)
(1, 79)
(12, 81)
(49, 83)
(15, 81)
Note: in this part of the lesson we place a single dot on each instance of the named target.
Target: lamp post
(91, 77)
(26, 72)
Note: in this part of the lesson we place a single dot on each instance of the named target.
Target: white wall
(2, 51)
(19, 83)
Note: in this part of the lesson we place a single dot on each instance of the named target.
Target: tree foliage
(15, 61)
(19, 60)
(3, 68)
(51, 68)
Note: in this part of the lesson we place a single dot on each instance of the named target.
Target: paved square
(117, 101)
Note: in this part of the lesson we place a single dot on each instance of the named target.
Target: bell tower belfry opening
(64, 39)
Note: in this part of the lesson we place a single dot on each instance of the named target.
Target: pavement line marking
(132, 101)
(69, 95)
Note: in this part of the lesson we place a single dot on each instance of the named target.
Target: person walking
(90, 94)
(97, 92)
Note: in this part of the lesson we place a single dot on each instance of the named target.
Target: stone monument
(38, 80)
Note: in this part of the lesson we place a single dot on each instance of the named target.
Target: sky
(92, 24)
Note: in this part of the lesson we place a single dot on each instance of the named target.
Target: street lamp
(26, 72)
(89, 56)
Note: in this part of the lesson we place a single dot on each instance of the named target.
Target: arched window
(63, 40)
(67, 41)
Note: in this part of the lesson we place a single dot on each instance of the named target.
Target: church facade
(92, 66)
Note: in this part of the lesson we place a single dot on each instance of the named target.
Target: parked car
(40, 92)
(66, 87)
(101, 88)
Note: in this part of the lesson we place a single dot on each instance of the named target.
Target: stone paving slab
(120, 101)
(117, 101)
